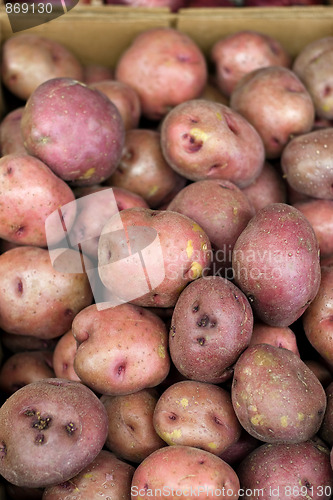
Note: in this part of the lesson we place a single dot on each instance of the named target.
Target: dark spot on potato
(320, 412)
(40, 438)
(307, 483)
(130, 427)
(9, 170)
(172, 416)
(3, 450)
(29, 413)
(231, 122)
(70, 428)
(234, 382)
(173, 331)
(195, 308)
(212, 324)
(226, 69)
(218, 421)
(120, 370)
(201, 340)
(183, 58)
(68, 312)
(201, 462)
(194, 120)
(42, 423)
(145, 486)
(327, 90)
(13, 77)
(275, 141)
(153, 214)
(192, 144)
(20, 286)
(20, 231)
(204, 321)
(64, 367)
(274, 48)
(67, 485)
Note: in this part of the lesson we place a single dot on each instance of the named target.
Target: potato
(63, 357)
(143, 169)
(276, 264)
(11, 140)
(175, 250)
(29, 193)
(20, 343)
(242, 52)
(28, 60)
(294, 471)
(222, 213)
(317, 320)
(131, 434)
(307, 163)
(22, 368)
(124, 98)
(212, 93)
(93, 73)
(60, 427)
(207, 140)
(37, 300)
(319, 368)
(196, 414)
(236, 452)
(326, 429)
(211, 325)
(269, 187)
(278, 336)
(105, 476)
(277, 104)
(56, 130)
(294, 404)
(165, 67)
(121, 350)
(183, 471)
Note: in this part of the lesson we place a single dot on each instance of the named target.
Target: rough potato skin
(49, 431)
(276, 264)
(294, 404)
(211, 325)
(37, 300)
(181, 468)
(165, 67)
(326, 429)
(195, 414)
(59, 112)
(284, 471)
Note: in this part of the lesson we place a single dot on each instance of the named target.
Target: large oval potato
(294, 404)
(276, 264)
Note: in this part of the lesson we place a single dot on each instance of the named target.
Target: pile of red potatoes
(166, 271)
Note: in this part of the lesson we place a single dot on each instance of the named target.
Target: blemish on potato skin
(189, 249)
(284, 421)
(257, 419)
(161, 351)
(70, 428)
(3, 450)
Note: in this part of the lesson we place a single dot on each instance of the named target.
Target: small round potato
(278, 336)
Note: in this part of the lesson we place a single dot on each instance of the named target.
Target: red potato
(93, 73)
(63, 357)
(47, 59)
(121, 350)
(195, 414)
(142, 168)
(269, 187)
(326, 429)
(29, 193)
(321, 371)
(284, 471)
(59, 112)
(165, 67)
(211, 325)
(175, 251)
(36, 299)
(23, 368)
(207, 140)
(307, 164)
(240, 53)
(282, 337)
(277, 104)
(183, 471)
(106, 477)
(19, 343)
(124, 98)
(212, 93)
(11, 140)
(131, 434)
(320, 215)
(276, 264)
(60, 427)
(236, 452)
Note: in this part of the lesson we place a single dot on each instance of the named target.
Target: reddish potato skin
(295, 401)
(212, 93)
(185, 249)
(47, 59)
(222, 213)
(51, 126)
(269, 187)
(93, 73)
(37, 300)
(39, 452)
(326, 429)
(22, 368)
(105, 473)
(199, 469)
(321, 371)
(142, 168)
(11, 140)
(195, 414)
(29, 193)
(307, 163)
(211, 325)
(131, 434)
(282, 337)
(242, 52)
(63, 357)
(308, 472)
(276, 264)
(165, 67)
(320, 215)
(277, 104)
(124, 98)
(235, 453)
(19, 343)
(121, 350)
(206, 140)
(317, 319)
(310, 53)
